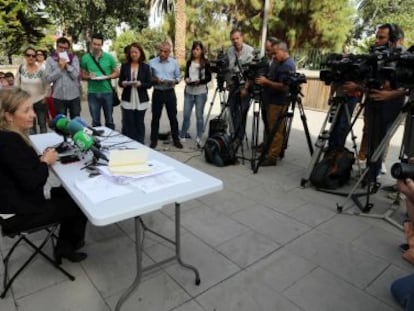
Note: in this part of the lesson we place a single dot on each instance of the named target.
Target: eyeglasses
(39, 54)
(30, 55)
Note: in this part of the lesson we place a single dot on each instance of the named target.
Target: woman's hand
(49, 156)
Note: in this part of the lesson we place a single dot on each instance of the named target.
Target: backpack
(217, 125)
(218, 150)
(334, 170)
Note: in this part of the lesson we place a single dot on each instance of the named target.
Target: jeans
(95, 102)
(40, 109)
(133, 124)
(159, 98)
(63, 106)
(380, 117)
(337, 138)
(403, 292)
(199, 102)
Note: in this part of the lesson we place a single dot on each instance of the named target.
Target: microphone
(85, 142)
(85, 124)
(59, 124)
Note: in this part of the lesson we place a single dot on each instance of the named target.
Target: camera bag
(217, 125)
(334, 170)
(218, 150)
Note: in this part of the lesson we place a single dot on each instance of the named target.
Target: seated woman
(23, 175)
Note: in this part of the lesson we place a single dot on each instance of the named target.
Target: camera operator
(276, 97)
(269, 57)
(238, 55)
(384, 102)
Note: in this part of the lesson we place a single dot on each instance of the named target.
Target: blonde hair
(10, 101)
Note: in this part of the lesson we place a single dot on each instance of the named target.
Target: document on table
(100, 188)
(160, 181)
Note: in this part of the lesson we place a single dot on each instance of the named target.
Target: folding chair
(23, 236)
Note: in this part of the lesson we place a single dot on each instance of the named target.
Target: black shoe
(178, 145)
(269, 162)
(153, 144)
(79, 245)
(68, 253)
(404, 247)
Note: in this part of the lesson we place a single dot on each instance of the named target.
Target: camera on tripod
(371, 70)
(294, 80)
(257, 67)
(220, 67)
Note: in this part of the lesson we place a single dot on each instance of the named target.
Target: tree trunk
(10, 59)
(180, 28)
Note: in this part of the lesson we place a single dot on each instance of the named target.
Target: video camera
(220, 67)
(256, 67)
(293, 80)
(382, 63)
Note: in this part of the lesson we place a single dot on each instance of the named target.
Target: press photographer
(276, 96)
(238, 55)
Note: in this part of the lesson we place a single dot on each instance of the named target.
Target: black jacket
(143, 75)
(22, 176)
(207, 68)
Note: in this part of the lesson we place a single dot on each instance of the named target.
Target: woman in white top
(135, 79)
(31, 78)
(197, 75)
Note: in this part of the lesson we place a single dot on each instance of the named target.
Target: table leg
(139, 250)
(178, 244)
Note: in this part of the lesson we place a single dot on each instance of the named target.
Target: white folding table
(136, 203)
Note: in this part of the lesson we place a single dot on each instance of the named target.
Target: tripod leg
(209, 112)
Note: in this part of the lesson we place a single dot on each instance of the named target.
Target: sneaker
(383, 169)
(182, 139)
(187, 136)
(198, 141)
(178, 144)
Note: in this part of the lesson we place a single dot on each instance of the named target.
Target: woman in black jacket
(23, 175)
(135, 79)
(197, 75)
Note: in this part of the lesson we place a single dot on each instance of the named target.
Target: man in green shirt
(98, 68)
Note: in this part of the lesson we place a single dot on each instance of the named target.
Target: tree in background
(21, 24)
(374, 12)
(148, 38)
(81, 18)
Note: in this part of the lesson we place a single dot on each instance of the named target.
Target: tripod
(286, 118)
(224, 105)
(337, 104)
(374, 158)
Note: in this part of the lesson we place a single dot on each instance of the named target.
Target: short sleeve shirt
(108, 64)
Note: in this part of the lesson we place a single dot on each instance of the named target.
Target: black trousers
(60, 208)
(159, 99)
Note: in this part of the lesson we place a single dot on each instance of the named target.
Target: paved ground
(263, 243)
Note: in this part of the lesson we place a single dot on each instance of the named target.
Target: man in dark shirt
(276, 97)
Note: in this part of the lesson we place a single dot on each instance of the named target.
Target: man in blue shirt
(165, 76)
(276, 97)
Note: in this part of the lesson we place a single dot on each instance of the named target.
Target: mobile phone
(69, 158)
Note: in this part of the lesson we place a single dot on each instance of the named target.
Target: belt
(166, 90)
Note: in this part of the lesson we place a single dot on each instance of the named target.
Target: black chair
(24, 236)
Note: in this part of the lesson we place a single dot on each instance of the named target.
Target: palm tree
(178, 6)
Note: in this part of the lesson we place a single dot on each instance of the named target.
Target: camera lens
(402, 170)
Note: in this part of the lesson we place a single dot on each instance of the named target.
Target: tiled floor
(263, 243)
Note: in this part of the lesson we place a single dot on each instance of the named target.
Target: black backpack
(218, 150)
(334, 170)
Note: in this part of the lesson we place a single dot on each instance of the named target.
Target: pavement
(263, 243)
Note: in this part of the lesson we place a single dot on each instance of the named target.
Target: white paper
(156, 168)
(64, 55)
(160, 181)
(99, 189)
(100, 78)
